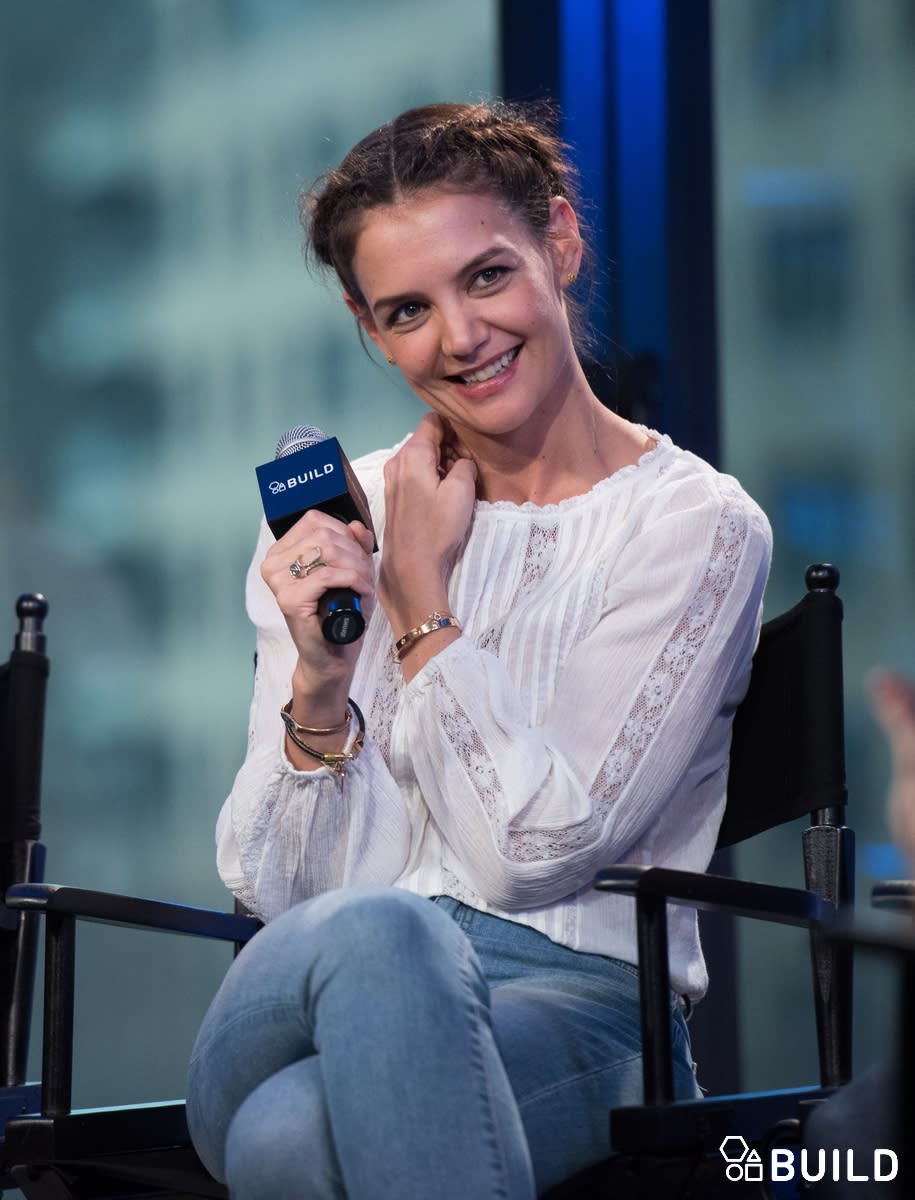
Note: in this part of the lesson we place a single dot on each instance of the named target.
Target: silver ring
(297, 568)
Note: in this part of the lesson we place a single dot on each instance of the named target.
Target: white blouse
(583, 718)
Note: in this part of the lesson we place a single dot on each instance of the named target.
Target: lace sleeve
(641, 708)
(282, 834)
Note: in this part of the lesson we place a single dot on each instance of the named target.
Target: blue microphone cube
(317, 476)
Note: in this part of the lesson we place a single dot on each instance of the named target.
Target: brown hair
(508, 150)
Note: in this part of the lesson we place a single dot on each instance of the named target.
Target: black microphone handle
(340, 610)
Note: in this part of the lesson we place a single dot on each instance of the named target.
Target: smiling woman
(562, 614)
(457, 290)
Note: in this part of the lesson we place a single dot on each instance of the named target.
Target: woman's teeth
(494, 368)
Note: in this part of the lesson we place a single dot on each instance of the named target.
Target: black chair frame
(23, 687)
(794, 704)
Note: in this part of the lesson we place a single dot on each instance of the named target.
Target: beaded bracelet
(336, 761)
(436, 620)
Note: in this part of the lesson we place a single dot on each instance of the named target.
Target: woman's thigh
(572, 1054)
(568, 1030)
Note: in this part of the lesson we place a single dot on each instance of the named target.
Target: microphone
(310, 471)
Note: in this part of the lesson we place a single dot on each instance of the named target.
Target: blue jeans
(370, 1043)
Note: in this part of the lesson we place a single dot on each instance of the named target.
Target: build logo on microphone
(744, 1164)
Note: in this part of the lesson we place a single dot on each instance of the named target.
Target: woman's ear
(361, 313)
(565, 240)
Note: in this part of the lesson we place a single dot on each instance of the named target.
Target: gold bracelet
(436, 620)
(337, 762)
(294, 727)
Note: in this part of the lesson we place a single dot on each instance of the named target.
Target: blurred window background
(158, 333)
(816, 228)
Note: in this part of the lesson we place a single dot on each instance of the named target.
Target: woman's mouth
(490, 371)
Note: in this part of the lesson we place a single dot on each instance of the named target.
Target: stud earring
(391, 360)
(571, 277)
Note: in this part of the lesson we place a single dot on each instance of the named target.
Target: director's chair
(787, 760)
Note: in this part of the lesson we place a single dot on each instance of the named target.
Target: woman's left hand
(429, 495)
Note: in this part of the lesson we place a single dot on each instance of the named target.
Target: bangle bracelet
(337, 762)
(436, 620)
(293, 726)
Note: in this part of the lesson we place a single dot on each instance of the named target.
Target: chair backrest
(788, 761)
(788, 741)
(23, 684)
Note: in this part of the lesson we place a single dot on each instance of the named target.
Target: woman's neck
(583, 444)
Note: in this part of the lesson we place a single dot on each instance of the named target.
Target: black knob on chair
(821, 577)
(31, 609)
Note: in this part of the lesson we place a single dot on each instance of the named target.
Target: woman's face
(465, 300)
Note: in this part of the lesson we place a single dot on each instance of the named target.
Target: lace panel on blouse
(383, 705)
(542, 541)
(642, 722)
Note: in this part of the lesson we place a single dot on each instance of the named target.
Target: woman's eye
(405, 314)
(489, 275)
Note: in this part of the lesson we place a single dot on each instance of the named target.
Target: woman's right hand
(324, 669)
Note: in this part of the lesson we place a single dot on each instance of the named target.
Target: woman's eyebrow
(477, 261)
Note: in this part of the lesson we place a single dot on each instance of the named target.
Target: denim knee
(366, 910)
(372, 928)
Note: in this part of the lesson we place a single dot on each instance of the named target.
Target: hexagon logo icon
(743, 1163)
(734, 1148)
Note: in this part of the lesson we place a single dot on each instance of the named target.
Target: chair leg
(60, 972)
(654, 999)
(41, 1183)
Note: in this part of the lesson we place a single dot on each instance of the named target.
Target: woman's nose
(463, 333)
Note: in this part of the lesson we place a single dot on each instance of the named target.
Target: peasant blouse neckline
(662, 445)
